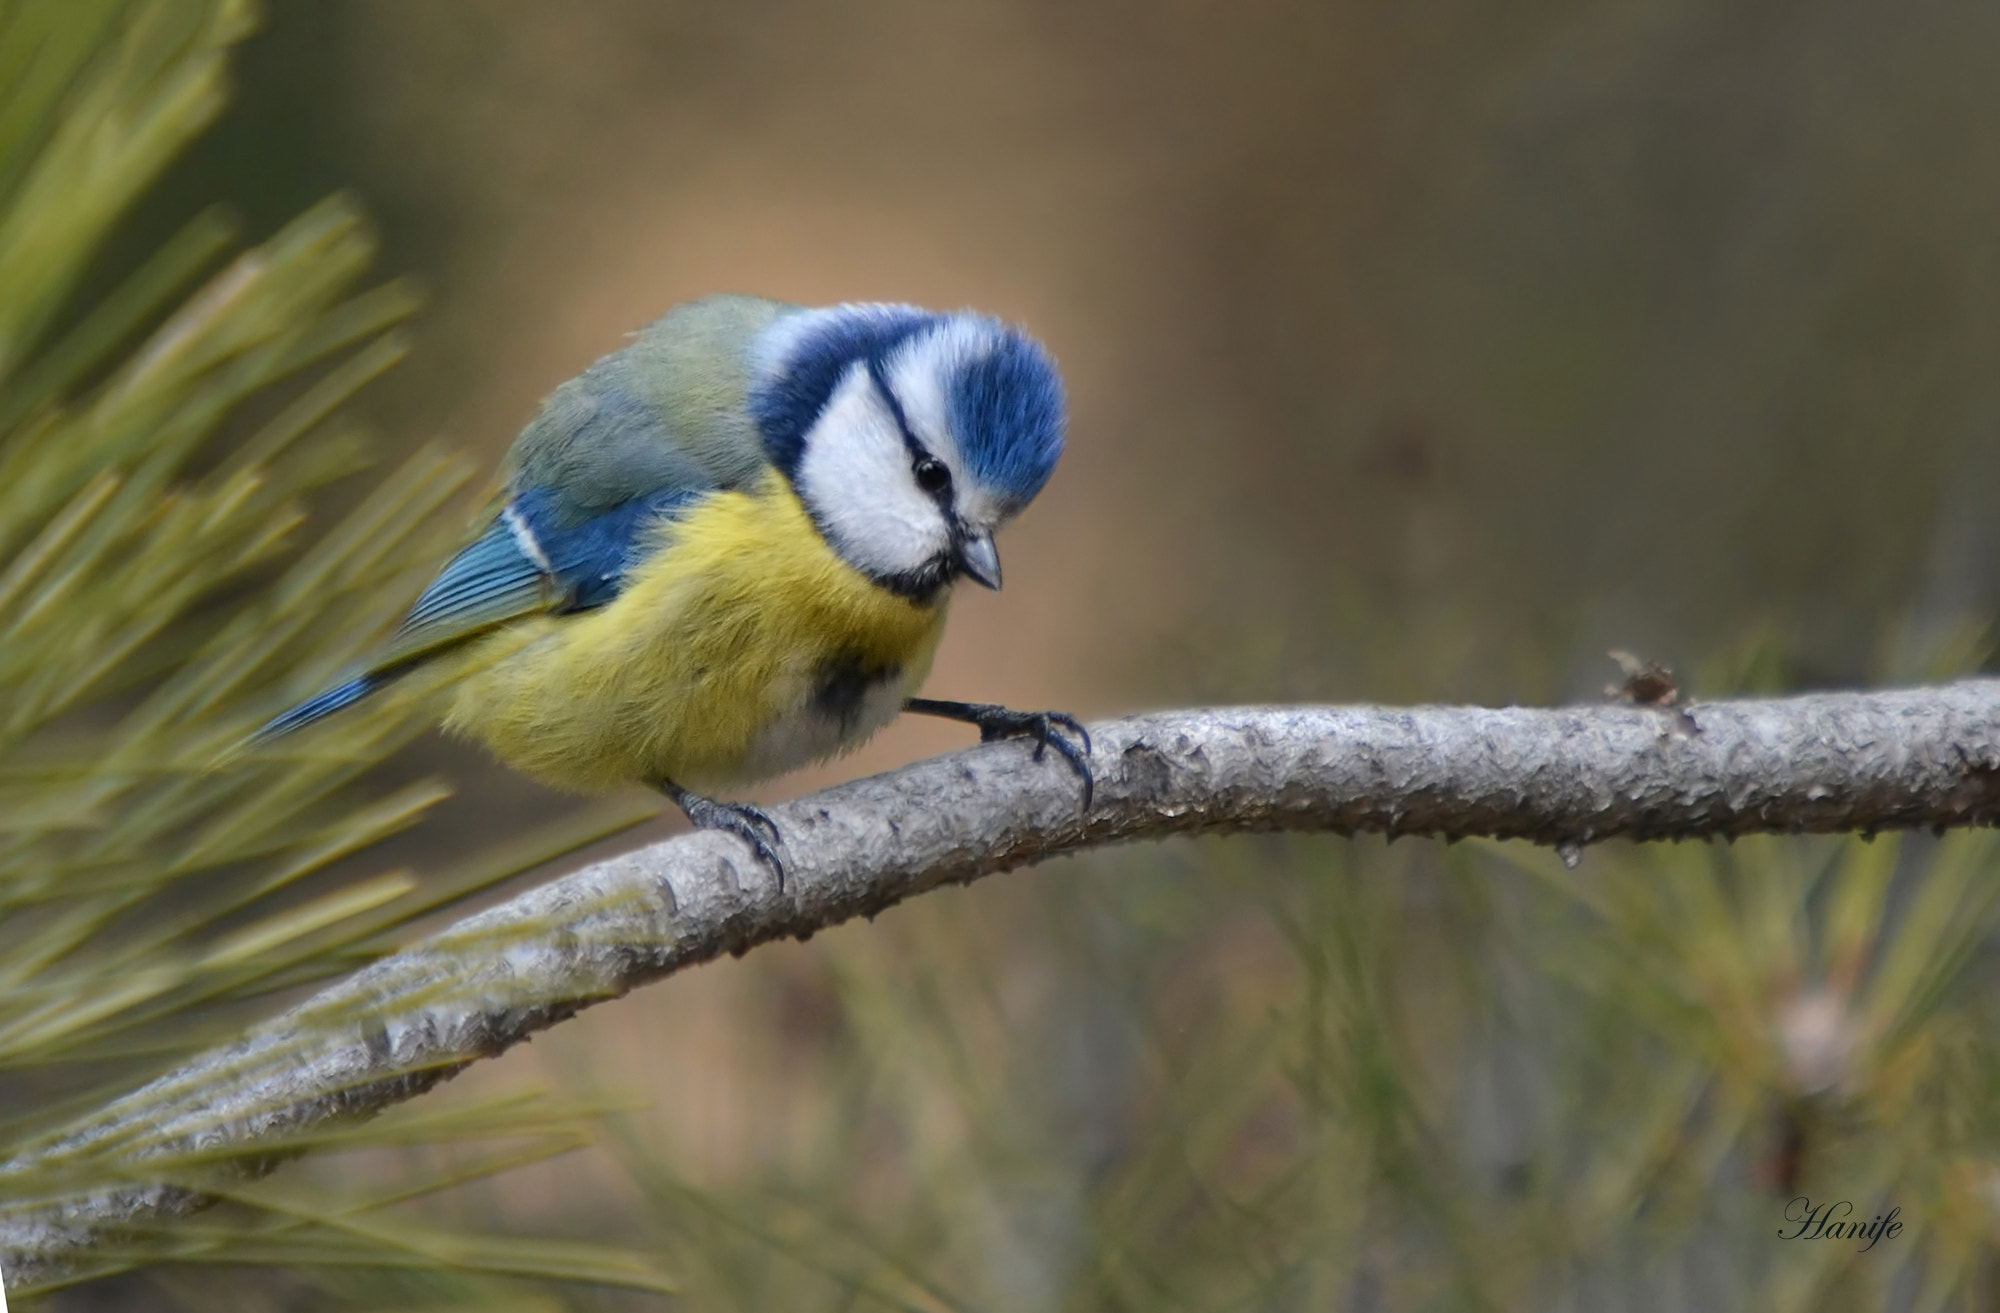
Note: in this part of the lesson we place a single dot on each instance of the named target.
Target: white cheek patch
(854, 474)
(917, 371)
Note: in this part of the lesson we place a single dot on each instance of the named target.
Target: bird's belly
(742, 649)
(846, 704)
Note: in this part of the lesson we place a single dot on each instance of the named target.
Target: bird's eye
(932, 476)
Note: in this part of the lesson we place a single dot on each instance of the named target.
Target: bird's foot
(1049, 729)
(746, 822)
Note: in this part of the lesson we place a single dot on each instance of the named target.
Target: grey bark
(1567, 777)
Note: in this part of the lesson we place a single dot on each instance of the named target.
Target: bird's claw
(996, 723)
(746, 822)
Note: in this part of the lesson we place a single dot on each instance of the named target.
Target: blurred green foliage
(1316, 1074)
(157, 887)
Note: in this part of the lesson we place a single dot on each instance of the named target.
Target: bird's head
(910, 437)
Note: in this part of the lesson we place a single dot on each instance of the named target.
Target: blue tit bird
(726, 551)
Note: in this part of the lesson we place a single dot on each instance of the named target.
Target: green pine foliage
(160, 593)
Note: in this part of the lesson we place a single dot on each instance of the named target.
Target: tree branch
(1569, 777)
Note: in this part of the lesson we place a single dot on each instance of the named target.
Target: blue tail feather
(524, 563)
(320, 706)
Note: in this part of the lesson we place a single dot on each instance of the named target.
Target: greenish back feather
(665, 413)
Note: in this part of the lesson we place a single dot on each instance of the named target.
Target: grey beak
(979, 559)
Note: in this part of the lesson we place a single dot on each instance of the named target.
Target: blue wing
(492, 581)
(525, 563)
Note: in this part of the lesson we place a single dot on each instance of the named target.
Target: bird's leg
(738, 818)
(1046, 728)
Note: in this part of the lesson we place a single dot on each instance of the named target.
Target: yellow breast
(740, 648)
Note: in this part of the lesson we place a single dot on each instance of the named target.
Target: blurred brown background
(1508, 329)
(1419, 350)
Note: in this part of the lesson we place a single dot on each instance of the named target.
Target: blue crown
(1007, 412)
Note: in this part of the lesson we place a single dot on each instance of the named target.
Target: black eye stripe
(932, 475)
(875, 376)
